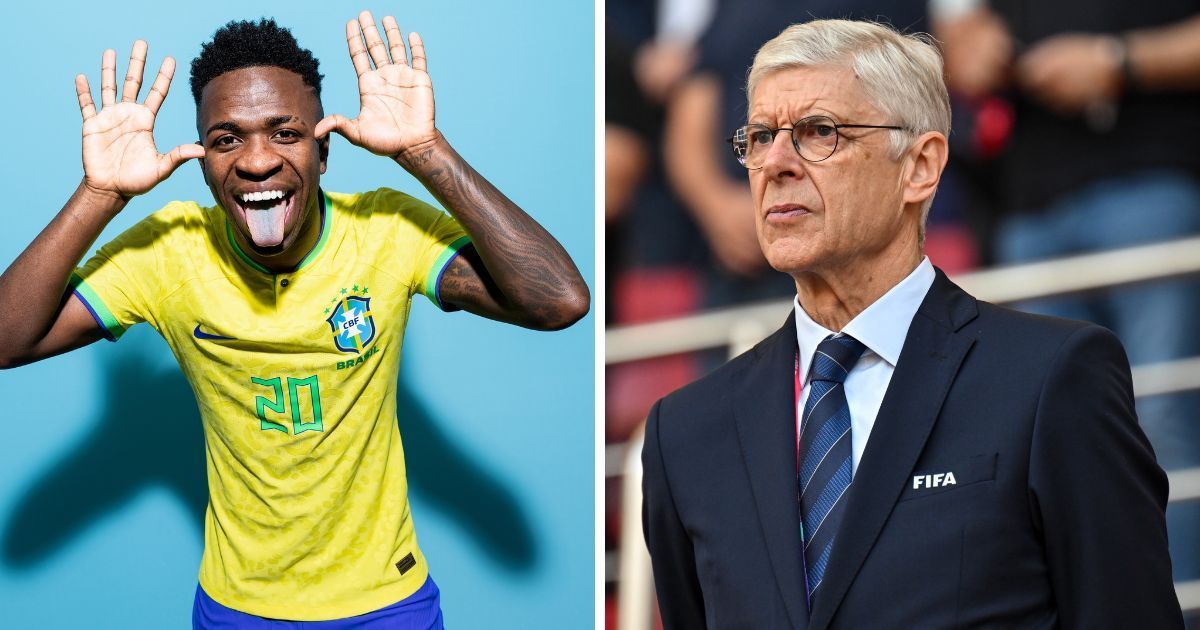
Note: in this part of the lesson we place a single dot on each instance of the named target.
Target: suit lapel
(764, 412)
(929, 361)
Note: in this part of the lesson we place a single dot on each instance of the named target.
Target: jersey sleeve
(431, 238)
(119, 283)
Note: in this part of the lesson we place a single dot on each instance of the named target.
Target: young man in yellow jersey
(286, 305)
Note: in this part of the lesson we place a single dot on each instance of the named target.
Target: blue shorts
(420, 611)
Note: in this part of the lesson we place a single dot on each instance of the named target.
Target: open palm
(119, 155)
(396, 111)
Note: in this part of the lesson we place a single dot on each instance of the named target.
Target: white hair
(900, 74)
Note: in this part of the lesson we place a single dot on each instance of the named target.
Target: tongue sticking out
(266, 224)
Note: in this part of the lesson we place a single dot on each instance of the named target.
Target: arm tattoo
(516, 271)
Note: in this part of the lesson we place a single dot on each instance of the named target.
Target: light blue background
(101, 463)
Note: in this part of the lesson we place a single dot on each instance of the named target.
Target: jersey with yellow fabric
(295, 375)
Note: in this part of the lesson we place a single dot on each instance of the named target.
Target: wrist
(415, 158)
(1119, 51)
(99, 200)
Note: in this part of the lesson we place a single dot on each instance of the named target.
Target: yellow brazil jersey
(295, 376)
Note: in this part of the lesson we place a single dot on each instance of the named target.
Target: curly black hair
(242, 44)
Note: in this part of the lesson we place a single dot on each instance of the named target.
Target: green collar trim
(326, 220)
(326, 228)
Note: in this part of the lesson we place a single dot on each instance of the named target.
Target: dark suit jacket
(1056, 518)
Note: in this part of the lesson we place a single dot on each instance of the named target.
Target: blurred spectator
(669, 56)
(651, 246)
(628, 129)
(1102, 153)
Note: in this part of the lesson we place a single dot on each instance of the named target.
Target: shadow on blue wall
(455, 484)
(149, 433)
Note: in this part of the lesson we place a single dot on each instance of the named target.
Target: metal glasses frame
(807, 122)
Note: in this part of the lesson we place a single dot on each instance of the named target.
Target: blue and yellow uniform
(295, 376)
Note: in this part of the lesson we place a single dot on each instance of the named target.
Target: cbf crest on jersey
(352, 323)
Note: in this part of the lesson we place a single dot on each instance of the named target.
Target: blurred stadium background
(1073, 189)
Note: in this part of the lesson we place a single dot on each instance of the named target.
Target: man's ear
(323, 150)
(926, 161)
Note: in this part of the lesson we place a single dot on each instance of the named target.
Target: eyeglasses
(815, 139)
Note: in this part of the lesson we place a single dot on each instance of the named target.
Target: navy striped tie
(825, 464)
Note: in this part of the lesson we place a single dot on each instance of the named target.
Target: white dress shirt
(882, 328)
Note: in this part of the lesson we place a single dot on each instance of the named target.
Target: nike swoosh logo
(200, 334)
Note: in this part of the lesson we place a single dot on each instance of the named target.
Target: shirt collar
(882, 326)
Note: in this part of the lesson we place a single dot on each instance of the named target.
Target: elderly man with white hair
(898, 454)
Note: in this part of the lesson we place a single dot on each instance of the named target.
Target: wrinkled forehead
(255, 94)
(786, 95)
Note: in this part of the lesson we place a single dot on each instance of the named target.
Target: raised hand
(119, 156)
(395, 98)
